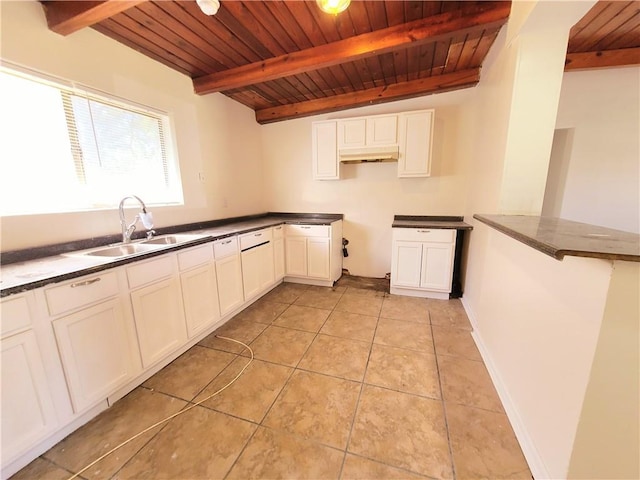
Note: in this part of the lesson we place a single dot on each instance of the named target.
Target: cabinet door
(324, 151)
(437, 265)
(352, 133)
(251, 272)
(97, 352)
(278, 258)
(318, 258)
(296, 256)
(200, 297)
(28, 413)
(406, 264)
(382, 130)
(159, 318)
(415, 137)
(267, 266)
(229, 275)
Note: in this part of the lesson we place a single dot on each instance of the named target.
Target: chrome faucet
(144, 216)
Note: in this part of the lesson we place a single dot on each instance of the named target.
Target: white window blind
(65, 149)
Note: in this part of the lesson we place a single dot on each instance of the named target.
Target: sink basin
(172, 239)
(121, 250)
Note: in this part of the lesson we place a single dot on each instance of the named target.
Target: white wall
(603, 179)
(215, 135)
(369, 195)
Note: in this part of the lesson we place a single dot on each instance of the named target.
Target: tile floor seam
(355, 412)
(244, 447)
(71, 473)
(413, 472)
(402, 391)
(444, 407)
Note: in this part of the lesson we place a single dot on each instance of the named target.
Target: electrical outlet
(201, 177)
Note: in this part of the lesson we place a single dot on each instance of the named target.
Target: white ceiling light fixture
(333, 7)
(209, 7)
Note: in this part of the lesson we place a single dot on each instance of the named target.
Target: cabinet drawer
(195, 256)
(151, 271)
(252, 239)
(424, 234)
(82, 291)
(225, 247)
(14, 314)
(278, 232)
(308, 230)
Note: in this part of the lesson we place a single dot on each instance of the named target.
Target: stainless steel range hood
(387, 153)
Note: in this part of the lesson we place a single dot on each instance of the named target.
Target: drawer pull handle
(85, 283)
(424, 231)
(278, 228)
(226, 242)
(306, 228)
(258, 235)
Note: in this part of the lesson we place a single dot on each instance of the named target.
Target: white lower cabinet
(28, 413)
(258, 267)
(228, 274)
(422, 262)
(96, 351)
(251, 269)
(278, 252)
(313, 253)
(160, 321)
(199, 288)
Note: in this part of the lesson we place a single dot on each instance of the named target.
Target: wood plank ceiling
(288, 59)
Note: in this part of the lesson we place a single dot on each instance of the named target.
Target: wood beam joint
(602, 59)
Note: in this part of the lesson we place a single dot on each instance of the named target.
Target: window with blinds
(63, 148)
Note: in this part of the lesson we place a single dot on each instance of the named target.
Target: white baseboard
(531, 454)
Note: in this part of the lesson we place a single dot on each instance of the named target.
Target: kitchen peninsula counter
(557, 237)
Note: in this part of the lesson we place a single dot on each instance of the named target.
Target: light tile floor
(346, 383)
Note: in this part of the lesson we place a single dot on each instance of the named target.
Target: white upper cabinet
(379, 130)
(325, 150)
(415, 137)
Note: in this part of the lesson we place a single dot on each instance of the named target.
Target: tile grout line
(444, 406)
(362, 384)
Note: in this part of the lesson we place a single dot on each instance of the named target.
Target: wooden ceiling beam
(68, 16)
(468, 19)
(602, 59)
(398, 91)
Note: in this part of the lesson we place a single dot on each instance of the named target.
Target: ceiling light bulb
(209, 7)
(333, 7)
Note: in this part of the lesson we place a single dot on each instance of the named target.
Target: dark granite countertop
(417, 221)
(32, 268)
(558, 237)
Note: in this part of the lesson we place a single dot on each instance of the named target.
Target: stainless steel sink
(172, 239)
(121, 250)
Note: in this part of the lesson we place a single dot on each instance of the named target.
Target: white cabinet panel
(325, 150)
(437, 266)
(278, 258)
(296, 256)
(352, 133)
(251, 272)
(80, 292)
(407, 257)
(229, 276)
(200, 297)
(28, 413)
(415, 137)
(267, 266)
(318, 257)
(159, 318)
(96, 351)
(382, 130)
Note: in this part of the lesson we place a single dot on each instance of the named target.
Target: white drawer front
(252, 239)
(308, 230)
(424, 235)
(14, 314)
(278, 231)
(151, 271)
(225, 247)
(81, 291)
(195, 256)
